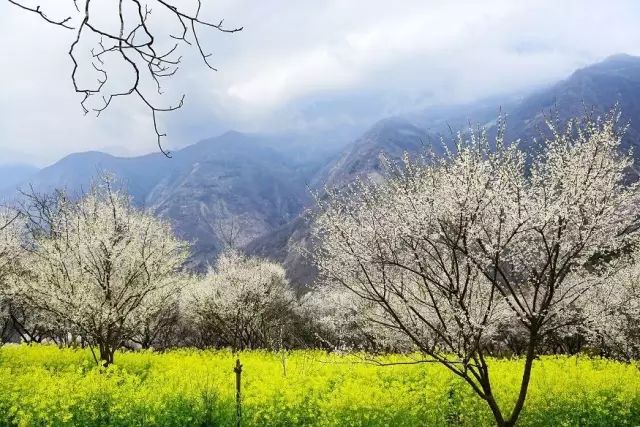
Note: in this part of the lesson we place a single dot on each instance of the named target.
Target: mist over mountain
(260, 183)
(591, 90)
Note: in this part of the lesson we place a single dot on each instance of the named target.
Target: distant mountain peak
(256, 182)
(621, 57)
(234, 136)
(391, 128)
(620, 63)
(88, 155)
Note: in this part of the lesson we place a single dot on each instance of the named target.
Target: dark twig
(134, 43)
(38, 10)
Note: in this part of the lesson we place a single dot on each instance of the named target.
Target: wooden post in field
(238, 371)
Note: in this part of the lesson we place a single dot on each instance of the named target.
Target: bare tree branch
(62, 23)
(136, 44)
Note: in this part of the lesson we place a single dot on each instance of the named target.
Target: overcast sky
(302, 65)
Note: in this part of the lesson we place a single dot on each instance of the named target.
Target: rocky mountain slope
(234, 180)
(228, 183)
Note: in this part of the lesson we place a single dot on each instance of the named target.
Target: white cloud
(276, 84)
(305, 64)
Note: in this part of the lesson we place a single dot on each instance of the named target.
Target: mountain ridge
(260, 183)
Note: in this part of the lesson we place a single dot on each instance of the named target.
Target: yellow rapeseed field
(46, 386)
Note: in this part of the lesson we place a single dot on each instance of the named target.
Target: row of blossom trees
(97, 271)
(455, 254)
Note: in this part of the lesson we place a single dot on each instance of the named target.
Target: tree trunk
(524, 385)
(495, 410)
(106, 354)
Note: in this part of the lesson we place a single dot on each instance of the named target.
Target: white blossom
(96, 263)
(11, 253)
(613, 309)
(243, 302)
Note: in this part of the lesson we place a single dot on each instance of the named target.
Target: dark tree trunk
(106, 354)
(495, 410)
(524, 385)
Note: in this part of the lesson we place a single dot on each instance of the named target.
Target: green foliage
(43, 385)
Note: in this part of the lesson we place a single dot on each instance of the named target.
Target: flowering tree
(31, 325)
(451, 249)
(157, 321)
(10, 254)
(613, 313)
(338, 319)
(97, 263)
(243, 302)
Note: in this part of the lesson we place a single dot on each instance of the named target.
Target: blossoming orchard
(495, 252)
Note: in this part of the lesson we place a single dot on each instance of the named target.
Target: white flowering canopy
(11, 253)
(452, 248)
(613, 310)
(450, 251)
(99, 261)
(342, 321)
(245, 301)
(11, 231)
